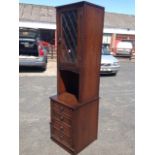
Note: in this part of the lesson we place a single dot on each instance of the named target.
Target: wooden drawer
(62, 109)
(62, 118)
(61, 137)
(66, 130)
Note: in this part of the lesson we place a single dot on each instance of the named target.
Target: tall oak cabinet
(74, 110)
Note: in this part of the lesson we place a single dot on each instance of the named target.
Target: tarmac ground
(116, 130)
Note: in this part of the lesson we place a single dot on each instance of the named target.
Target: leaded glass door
(69, 36)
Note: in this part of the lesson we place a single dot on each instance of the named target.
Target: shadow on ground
(107, 75)
(30, 70)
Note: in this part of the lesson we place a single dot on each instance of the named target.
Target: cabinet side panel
(92, 38)
(60, 83)
(86, 125)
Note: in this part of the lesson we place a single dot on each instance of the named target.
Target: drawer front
(60, 117)
(62, 109)
(66, 130)
(61, 137)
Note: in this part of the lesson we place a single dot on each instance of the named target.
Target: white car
(109, 64)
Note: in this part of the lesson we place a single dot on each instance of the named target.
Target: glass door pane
(69, 36)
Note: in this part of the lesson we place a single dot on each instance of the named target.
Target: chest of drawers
(73, 127)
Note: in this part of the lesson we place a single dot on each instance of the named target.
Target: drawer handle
(61, 118)
(61, 109)
(61, 136)
(61, 128)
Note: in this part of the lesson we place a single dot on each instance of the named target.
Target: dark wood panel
(91, 52)
(86, 125)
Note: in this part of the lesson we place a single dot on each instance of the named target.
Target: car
(124, 49)
(32, 51)
(109, 64)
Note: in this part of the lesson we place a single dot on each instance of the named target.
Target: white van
(124, 48)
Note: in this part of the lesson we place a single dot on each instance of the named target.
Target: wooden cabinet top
(79, 4)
